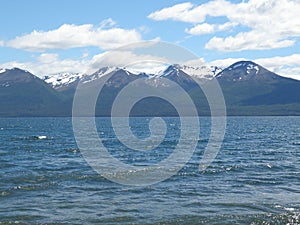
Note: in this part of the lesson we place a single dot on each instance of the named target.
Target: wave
(32, 137)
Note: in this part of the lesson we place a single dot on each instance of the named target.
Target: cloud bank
(263, 24)
(105, 36)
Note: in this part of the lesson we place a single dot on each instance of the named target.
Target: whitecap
(41, 137)
(289, 209)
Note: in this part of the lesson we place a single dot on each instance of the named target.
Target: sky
(48, 37)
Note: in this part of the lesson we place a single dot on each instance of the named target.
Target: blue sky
(47, 37)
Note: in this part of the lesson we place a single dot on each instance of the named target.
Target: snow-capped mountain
(245, 71)
(185, 75)
(62, 79)
(248, 88)
(201, 72)
(99, 73)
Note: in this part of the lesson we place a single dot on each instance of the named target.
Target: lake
(255, 178)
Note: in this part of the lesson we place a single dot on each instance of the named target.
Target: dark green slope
(23, 94)
(250, 89)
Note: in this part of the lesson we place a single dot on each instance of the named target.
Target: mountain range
(248, 88)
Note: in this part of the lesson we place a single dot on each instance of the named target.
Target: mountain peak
(243, 64)
(106, 69)
(202, 72)
(14, 69)
(15, 75)
(171, 70)
(245, 71)
(247, 66)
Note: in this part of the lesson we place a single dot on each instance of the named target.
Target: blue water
(255, 178)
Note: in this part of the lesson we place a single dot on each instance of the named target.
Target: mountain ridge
(24, 94)
(249, 89)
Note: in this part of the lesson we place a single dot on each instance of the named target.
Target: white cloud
(195, 62)
(271, 23)
(275, 62)
(46, 64)
(85, 55)
(107, 23)
(187, 12)
(72, 36)
(141, 53)
(177, 12)
(248, 41)
(223, 63)
(292, 72)
(48, 58)
(122, 58)
(226, 26)
(150, 67)
(1, 43)
(203, 28)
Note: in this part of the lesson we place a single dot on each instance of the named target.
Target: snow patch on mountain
(62, 79)
(162, 70)
(173, 69)
(149, 68)
(248, 66)
(251, 67)
(202, 72)
(100, 73)
(243, 71)
(2, 70)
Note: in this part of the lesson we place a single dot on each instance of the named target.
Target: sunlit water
(255, 178)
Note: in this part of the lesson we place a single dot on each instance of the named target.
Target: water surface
(255, 178)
